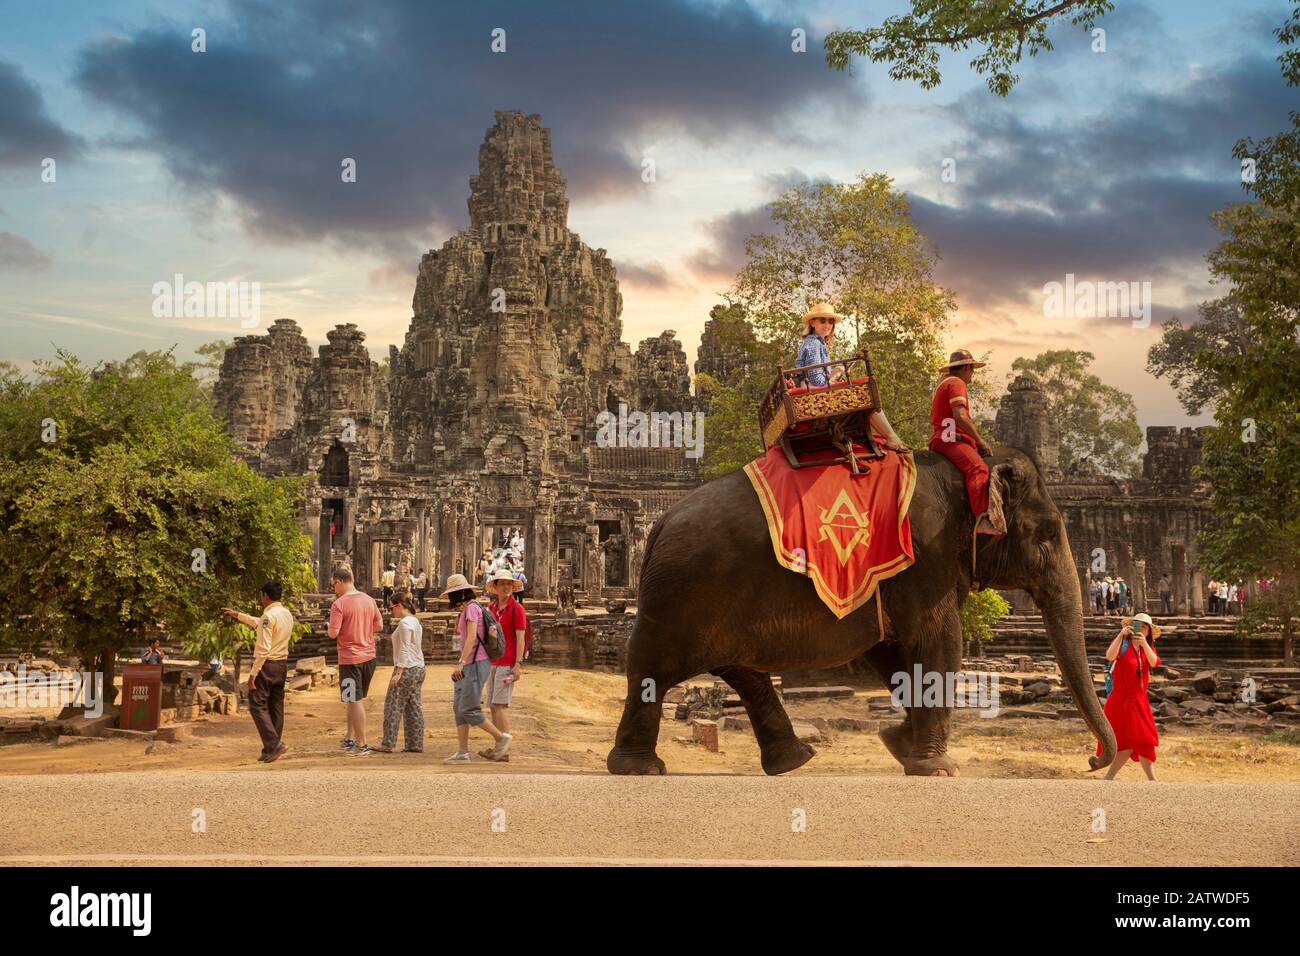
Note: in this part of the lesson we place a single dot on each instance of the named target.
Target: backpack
(492, 641)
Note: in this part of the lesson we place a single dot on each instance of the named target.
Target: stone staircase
(1184, 642)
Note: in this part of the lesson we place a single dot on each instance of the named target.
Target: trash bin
(141, 696)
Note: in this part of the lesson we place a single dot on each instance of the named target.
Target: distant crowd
(1113, 596)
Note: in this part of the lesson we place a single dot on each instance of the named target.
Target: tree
(1251, 457)
(979, 612)
(1096, 422)
(1006, 29)
(1222, 328)
(211, 355)
(127, 510)
(731, 433)
(855, 245)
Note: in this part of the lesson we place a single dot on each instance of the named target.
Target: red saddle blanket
(847, 532)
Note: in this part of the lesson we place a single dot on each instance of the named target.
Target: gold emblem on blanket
(841, 515)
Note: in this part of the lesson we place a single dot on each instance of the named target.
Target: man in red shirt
(354, 619)
(508, 668)
(957, 439)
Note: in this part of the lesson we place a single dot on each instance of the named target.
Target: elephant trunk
(1059, 598)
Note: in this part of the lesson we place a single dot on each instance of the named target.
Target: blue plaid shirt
(812, 351)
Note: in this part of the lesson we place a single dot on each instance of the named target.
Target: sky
(224, 165)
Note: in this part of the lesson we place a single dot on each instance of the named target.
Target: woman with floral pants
(402, 703)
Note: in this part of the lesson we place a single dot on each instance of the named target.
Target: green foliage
(731, 433)
(1251, 458)
(105, 522)
(1005, 30)
(980, 611)
(854, 245)
(210, 356)
(1095, 421)
(1222, 329)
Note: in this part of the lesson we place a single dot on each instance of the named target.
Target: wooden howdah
(834, 416)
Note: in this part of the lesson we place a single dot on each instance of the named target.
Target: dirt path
(1023, 796)
(564, 721)
(351, 816)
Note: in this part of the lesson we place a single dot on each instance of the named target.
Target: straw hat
(507, 576)
(822, 310)
(457, 582)
(961, 357)
(1145, 618)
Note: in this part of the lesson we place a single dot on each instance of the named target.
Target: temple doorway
(334, 472)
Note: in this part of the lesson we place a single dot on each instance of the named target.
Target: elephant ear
(1002, 494)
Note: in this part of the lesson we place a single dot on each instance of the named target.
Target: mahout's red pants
(973, 468)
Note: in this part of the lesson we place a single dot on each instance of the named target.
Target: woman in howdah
(819, 328)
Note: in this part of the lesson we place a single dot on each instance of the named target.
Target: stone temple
(486, 418)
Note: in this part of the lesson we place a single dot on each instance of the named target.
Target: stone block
(173, 732)
(310, 665)
(815, 693)
(705, 733)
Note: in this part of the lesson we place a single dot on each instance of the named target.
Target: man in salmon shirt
(957, 439)
(354, 619)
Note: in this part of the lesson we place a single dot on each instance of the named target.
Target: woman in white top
(402, 703)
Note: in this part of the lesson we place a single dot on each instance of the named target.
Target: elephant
(713, 599)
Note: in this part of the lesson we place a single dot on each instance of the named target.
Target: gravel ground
(373, 815)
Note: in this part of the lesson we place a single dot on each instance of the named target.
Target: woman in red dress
(1127, 707)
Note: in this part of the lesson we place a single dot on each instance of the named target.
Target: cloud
(651, 275)
(723, 253)
(1122, 192)
(27, 133)
(268, 114)
(19, 255)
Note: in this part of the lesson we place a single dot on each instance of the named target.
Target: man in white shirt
(420, 584)
(270, 664)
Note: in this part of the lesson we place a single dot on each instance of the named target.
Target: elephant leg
(886, 658)
(638, 730)
(652, 668)
(781, 750)
(938, 650)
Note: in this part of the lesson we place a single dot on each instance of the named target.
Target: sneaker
(360, 751)
(275, 754)
(348, 743)
(459, 757)
(502, 747)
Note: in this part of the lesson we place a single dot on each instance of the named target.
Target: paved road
(386, 816)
